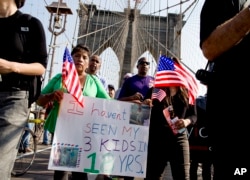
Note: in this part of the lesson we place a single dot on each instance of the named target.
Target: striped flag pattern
(171, 73)
(192, 83)
(70, 78)
(158, 94)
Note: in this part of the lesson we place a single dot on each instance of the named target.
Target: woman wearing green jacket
(53, 92)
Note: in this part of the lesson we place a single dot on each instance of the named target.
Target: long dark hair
(19, 3)
(182, 93)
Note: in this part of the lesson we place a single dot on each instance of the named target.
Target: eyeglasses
(144, 62)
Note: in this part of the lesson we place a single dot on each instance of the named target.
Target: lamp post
(58, 15)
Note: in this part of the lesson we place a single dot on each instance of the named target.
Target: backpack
(35, 82)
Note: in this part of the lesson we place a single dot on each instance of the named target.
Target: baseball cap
(111, 86)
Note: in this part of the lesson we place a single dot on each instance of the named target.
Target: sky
(190, 52)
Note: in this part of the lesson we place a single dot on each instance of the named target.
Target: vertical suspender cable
(96, 27)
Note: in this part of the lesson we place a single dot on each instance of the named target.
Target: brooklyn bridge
(121, 31)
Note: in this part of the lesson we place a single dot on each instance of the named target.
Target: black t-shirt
(227, 90)
(230, 63)
(11, 48)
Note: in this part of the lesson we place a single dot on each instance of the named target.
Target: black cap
(110, 86)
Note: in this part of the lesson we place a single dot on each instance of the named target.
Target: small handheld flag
(70, 78)
(158, 94)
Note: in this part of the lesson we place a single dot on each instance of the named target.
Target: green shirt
(93, 88)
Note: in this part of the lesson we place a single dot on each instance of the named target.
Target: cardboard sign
(103, 137)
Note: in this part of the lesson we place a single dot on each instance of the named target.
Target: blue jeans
(13, 118)
(26, 135)
(46, 136)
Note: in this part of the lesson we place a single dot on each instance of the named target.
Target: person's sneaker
(28, 149)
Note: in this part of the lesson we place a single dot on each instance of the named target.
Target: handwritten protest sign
(104, 137)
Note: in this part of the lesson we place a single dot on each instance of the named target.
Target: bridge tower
(129, 34)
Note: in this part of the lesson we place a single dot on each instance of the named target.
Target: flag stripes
(192, 83)
(171, 73)
(158, 94)
(70, 77)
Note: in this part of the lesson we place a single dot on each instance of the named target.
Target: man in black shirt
(17, 65)
(225, 40)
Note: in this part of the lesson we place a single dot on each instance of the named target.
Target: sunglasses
(144, 62)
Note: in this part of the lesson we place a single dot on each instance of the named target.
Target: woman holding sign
(53, 92)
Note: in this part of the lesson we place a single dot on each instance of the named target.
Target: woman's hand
(44, 99)
(57, 96)
(182, 123)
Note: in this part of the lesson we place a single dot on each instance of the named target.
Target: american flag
(158, 94)
(171, 73)
(70, 77)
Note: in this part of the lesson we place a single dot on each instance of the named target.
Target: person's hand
(136, 101)
(47, 99)
(182, 123)
(148, 102)
(57, 95)
(138, 96)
